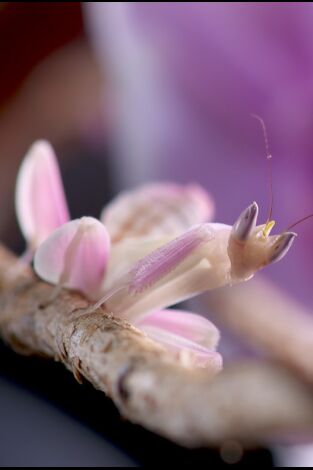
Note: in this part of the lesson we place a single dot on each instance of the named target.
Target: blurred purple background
(183, 80)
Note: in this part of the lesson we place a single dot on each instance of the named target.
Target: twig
(252, 401)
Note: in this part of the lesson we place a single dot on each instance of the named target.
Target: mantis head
(251, 247)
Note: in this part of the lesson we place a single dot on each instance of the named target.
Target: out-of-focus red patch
(29, 31)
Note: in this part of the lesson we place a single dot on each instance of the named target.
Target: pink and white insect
(153, 248)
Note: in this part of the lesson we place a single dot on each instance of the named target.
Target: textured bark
(251, 401)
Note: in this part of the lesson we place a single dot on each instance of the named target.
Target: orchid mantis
(205, 257)
(154, 248)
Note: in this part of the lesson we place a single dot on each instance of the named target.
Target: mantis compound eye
(281, 246)
(246, 222)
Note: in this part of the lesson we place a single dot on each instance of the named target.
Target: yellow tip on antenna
(268, 228)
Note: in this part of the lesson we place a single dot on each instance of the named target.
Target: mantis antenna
(269, 223)
(269, 158)
(299, 221)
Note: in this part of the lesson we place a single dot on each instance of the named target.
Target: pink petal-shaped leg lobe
(75, 256)
(157, 210)
(40, 201)
(185, 333)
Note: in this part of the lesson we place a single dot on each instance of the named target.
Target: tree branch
(251, 401)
